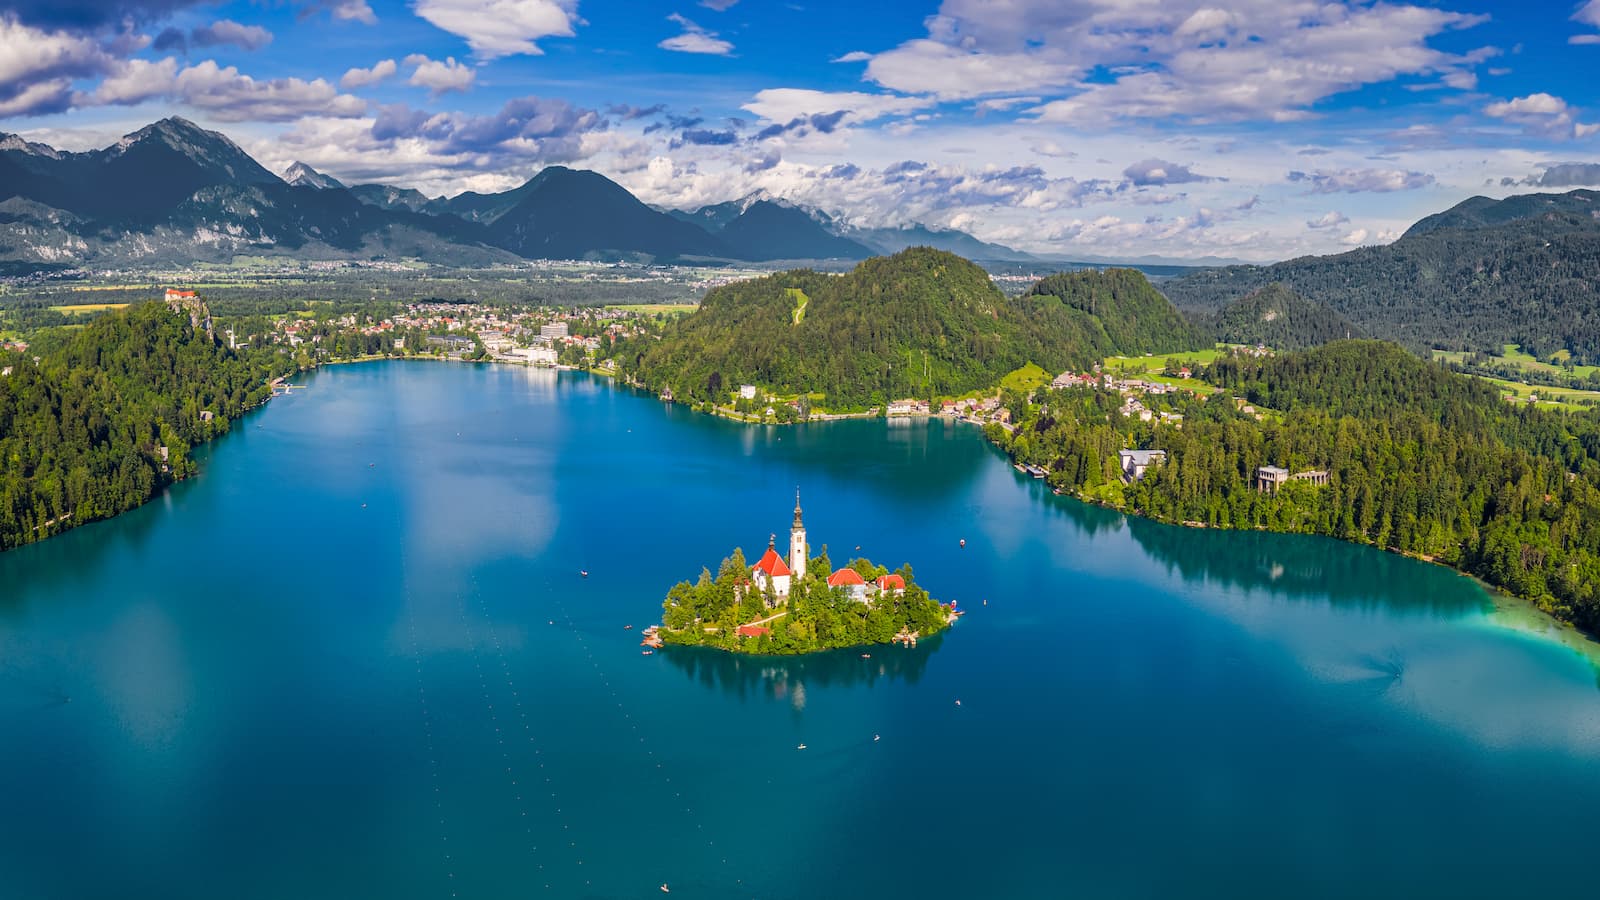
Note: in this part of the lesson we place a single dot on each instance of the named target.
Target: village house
(747, 392)
(1136, 462)
(891, 585)
(852, 582)
(1270, 478)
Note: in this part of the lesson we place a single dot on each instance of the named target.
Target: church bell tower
(798, 551)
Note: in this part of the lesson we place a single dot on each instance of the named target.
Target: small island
(798, 605)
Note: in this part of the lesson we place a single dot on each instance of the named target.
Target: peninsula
(798, 604)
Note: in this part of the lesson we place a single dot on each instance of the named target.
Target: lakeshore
(1361, 684)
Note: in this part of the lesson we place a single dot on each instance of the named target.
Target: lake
(355, 658)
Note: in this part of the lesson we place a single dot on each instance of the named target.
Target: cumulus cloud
(1330, 219)
(1153, 172)
(800, 126)
(439, 76)
(360, 78)
(38, 67)
(525, 128)
(227, 31)
(1353, 181)
(228, 96)
(784, 105)
(1257, 59)
(1542, 114)
(695, 39)
(1567, 174)
(1588, 14)
(495, 28)
(136, 81)
(956, 72)
(343, 10)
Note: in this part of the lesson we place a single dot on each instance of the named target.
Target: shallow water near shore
(356, 658)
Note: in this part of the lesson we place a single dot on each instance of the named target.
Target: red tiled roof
(753, 630)
(845, 578)
(891, 582)
(773, 564)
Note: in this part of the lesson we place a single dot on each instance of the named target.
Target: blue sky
(1259, 129)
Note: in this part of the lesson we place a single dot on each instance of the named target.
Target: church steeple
(799, 553)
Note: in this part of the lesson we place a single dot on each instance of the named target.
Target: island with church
(798, 604)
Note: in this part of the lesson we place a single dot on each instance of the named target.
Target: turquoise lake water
(355, 658)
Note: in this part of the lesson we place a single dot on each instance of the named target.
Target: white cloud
(37, 68)
(439, 76)
(1256, 59)
(1355, 181)
(1330, 219)
(854, 56)
(956, 73)
(1585, 39)
(360, 78)
(228, 96)
(227, 31)
(1588, 14)
(494, 28)
(787, 104)
(695, 39)
(1355, 238)
(1542, 114)
(137, 80)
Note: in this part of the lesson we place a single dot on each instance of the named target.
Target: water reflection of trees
(1307, 567)
(786, 678)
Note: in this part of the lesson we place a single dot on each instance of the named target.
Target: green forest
(1419, 460)
(107, 415)
(1277, 317)
(814, 616)
(921, 323)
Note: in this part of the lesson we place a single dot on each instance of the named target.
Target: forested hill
(1279, 318)
(921, 323)
(1524, 270)
(1118, 310)
(1417, 460)
(82, 429)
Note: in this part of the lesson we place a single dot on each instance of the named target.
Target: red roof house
(845, 578)
(753, 630)
(892, 583)
(850, 580)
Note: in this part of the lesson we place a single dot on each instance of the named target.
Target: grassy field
(1028, 378)
(1554, 397)
(79, 309)
(656, 309)
(1157, 363)
(1513, 355)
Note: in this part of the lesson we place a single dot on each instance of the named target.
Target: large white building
(553, 331)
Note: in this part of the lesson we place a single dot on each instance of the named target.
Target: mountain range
(1524, 270)
(173, 193)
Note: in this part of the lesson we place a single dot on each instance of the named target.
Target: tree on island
(813, 616)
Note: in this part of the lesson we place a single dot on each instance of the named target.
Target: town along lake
(355, 658)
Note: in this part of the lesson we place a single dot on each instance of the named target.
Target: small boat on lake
(801, 747)
(584, 573)
(646, 652)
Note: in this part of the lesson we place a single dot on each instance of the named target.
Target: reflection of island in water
(787, 677)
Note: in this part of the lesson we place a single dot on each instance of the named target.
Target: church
(773, 570)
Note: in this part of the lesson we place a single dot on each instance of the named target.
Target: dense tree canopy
(921, 323)
(1419, 460)
(105, 419)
